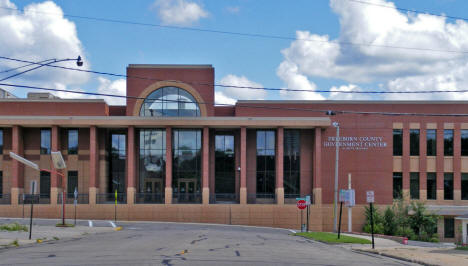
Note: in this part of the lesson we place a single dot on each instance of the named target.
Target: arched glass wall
(170, 101)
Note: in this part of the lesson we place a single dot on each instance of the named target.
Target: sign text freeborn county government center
(356, 143)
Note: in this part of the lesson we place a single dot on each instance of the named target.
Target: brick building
(174, 156)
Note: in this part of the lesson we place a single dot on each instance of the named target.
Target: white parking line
(292, 231)
(113, 224)
(90, 223)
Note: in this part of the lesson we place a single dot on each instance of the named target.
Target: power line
(244, 105)
(239, 87)
(408, 10)
(243, 34)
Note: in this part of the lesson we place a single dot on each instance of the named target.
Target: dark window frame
(397, 142)
(44, 184)
(1, 184)
(449, 227)
(72, 146)
(431, 142)
(225, 163)
(448, 186)
(46, 144)
(464, 142)
(1, 141)
(414, 185)
(117, 162)
(431, 186)
(292, 162)
(448, 142)
(70, 188)
(464, 186)
(266, 162)
(414, 142)
(159, 97)
(397, 185)
(152, 149)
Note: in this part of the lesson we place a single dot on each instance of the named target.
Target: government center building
(172, 155)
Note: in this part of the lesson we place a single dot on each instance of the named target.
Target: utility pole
(337, 150)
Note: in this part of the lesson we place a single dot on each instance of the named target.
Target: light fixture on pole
(337, 150)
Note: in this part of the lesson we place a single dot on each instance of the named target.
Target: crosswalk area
(52, 222)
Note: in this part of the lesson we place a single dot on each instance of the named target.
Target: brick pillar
(279, 166)
(422, 163)
(57, 182)
(440, 161)
(17, 168)
(405, 158)
(317, 178)
(243, 166)
(168, 189)
(206, 166)
(93, 164)
(131, 168)
(457, 163)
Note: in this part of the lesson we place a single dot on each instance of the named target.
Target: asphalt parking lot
(188, 244)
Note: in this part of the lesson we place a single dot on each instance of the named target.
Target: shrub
(390, 223)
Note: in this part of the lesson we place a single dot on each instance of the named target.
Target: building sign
(356, 143)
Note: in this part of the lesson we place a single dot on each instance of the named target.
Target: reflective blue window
(170, 101)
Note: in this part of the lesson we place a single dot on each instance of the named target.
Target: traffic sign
(301, 204)
(307, 200)
(370, 196)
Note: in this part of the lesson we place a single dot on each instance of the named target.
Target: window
(291, 162)
(44, 186)
(414, 142)
(431, 142)
(152, 161)
(72, 183)
(464, 142)
(448, 186)
(449, 227)
(448, 142)
(170, 101)
(118, 156)
(1, 141)
(224, 163)
(397, 142)
(45, 141)
(266, 165)
(464, 186)
(397, 185)
(72, 141)
(414, 185)
(431, 186)
(186, 166)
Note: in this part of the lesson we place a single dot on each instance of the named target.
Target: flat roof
(167, 66)
(347, 102)
(53, 100)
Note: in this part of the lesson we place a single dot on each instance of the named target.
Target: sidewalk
(436, 254)
(47, 233)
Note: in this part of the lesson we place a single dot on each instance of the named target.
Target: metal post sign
(348, 197)
(370, 196)
(75, 194)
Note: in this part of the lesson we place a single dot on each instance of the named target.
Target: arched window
(170, 101)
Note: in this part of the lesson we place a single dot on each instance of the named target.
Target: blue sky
(248, 61)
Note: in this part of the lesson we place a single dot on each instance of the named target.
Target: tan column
(317, 178)
(243, 166)
(422, 163)
(17, 168)
(279, 166)
(131, 169)
(457, 163)
(93, 164)
(57, 182)
(440, 161)
(168, 189)
(206, 166)
(406, 161)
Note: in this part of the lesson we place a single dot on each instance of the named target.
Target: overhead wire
(252, 106)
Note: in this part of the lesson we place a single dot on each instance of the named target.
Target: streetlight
(337, 150)
(78, 60)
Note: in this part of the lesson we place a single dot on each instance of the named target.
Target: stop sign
(301, 204)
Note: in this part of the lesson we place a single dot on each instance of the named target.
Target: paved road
(189, 244)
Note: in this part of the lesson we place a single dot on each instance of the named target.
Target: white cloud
(179, 12)
(222, 99)
(296, 81)
(348, 96)
(39, 33)
(231, 94)
(405, 69)
(116, 87)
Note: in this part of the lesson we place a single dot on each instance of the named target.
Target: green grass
(333, 238)
(462, 248)
(64, 225)
(13, 227)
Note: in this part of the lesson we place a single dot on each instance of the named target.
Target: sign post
(75, 201)
(308, 212)
(33, 188)
(301, 204)
(59, 163)
(115, 207)
(370, 200)
(350, 210)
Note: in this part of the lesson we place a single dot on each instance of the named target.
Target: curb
(393, 257)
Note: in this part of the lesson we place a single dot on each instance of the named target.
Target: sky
(339, 45)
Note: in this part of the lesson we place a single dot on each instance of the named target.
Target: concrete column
(440, 160)
(279, 166)
(405, 158)
(317, 178)
(457, 163)
(93, 164)
(168, 189)
(206, 166)
(17, 168)
(243, 166)
(57, 182)
(131, 168)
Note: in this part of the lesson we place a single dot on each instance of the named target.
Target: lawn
(465, 248)
(333, 238)
(13, 227)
